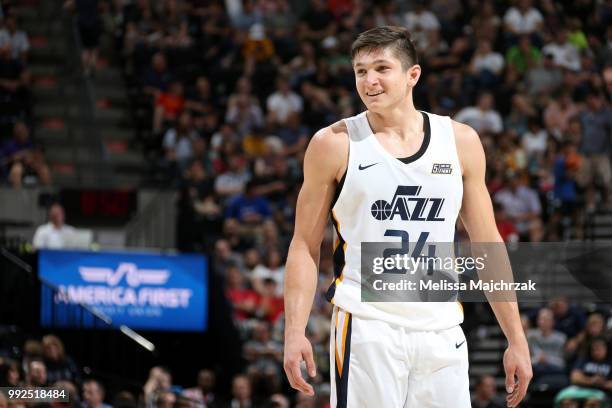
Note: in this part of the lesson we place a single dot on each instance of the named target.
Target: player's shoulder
(331, 138)
(469, 147)
(465, 135)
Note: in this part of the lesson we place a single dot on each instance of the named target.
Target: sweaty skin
(386, 89)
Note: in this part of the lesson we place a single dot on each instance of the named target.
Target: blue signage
(141, 291)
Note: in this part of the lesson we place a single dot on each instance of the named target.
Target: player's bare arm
(477, 216)
(324, 164)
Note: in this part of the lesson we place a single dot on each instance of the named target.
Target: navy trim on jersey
(342, 378)
(339, 188)
(424, 146)
(339, 261)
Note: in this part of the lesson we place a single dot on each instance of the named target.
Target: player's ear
(413, 73)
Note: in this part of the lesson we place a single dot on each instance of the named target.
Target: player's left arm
(479, 221)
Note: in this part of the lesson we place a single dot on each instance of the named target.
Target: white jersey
(381, 198)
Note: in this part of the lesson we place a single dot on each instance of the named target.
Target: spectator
(272, 269)
(569, 319)
(89, 24)
(36, 373)
(21, 158)
(233, 182)
(559, 112)
(523, 19)
(249, 208)
(244, 300)
(159, 380)
(421, 22)
(18, 39)
(165, 399)
(485, 394)
(506, 228)
(543, 77)
(9, 373)
(178, 141)
(224, 257)
(523, 56)
(59, 365)
(241, 392)
(3, 400)
(157, 78)
(486, 64)
(168, 106)
(317, 23)
(563, 52)
(595, 146)
(483, 117)
(596, 369)
(93, 395)
(535, 140)
(283, 102)
(522, 205)
(271, 305)
(578, 346)
(53, 234)
(245, 114)
(204, 392)
(546, 346)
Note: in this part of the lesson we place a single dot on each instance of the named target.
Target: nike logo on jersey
(362, 167)
(457, 345)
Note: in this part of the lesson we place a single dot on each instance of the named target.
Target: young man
(391, 354)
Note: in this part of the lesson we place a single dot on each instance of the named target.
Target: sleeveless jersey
(379, 193)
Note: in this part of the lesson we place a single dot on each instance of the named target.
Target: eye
(382, 68)
(360, 71)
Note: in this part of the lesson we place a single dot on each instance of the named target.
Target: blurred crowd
(21, 159)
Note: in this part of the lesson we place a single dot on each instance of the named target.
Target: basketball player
(385, 354)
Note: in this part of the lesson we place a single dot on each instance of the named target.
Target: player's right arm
(324, 162)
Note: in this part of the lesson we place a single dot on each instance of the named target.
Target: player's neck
(405, 122)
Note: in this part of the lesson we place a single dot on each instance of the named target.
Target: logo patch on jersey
(362, 167)
(408, 206)
(441, 168)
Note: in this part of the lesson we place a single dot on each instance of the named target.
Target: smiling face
(381, 80)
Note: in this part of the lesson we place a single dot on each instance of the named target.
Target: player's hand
(298, 349)
(517, 365)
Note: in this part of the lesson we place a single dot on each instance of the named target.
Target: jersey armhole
(340, 185)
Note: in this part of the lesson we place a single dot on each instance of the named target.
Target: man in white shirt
(17, 38)
(283, 102)
(482, 117)
(523, 19)
(564, 53)
(53, 235)
(522, 205)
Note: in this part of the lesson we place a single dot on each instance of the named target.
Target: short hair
(397, 39)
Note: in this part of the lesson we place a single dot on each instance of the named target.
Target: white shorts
(377, 364)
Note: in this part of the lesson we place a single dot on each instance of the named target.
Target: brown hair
(395, 38)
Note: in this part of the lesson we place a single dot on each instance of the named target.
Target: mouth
(374, 93)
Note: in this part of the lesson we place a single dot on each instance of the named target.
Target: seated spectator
(201, 101)
(53, 234)
(224, 257)
(93, 395)
(543, 77)
(546, 347)
(241, 392)
(421, 22)
(250, 207)
(523, 19)
(294, 135)
(576, 397)
(506, 228)
(244, 301)
(254, 143)
(485, 394)
(522, 205)
(559, 112)
(204, 391)
(59, 365)
(233, 181)
(18, 39)
(564, 53)
(595, 370)
(271, 305)
(596, 145)
(578, 346)
(262, 350)
(523, 56)
(282, 103)
(317, 23)
(486, 65)
(168, 106)
(36, 373)
(178, 141)
(566, 166)
(20, 158)
(483, 117)
(569, 319)
(234, 234)
(244, 114)
(165, 399)
(159, 380)
(157, 78)
(10, 375)
(272, 269)
(534, 141)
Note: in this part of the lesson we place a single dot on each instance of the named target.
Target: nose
(371, 77)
